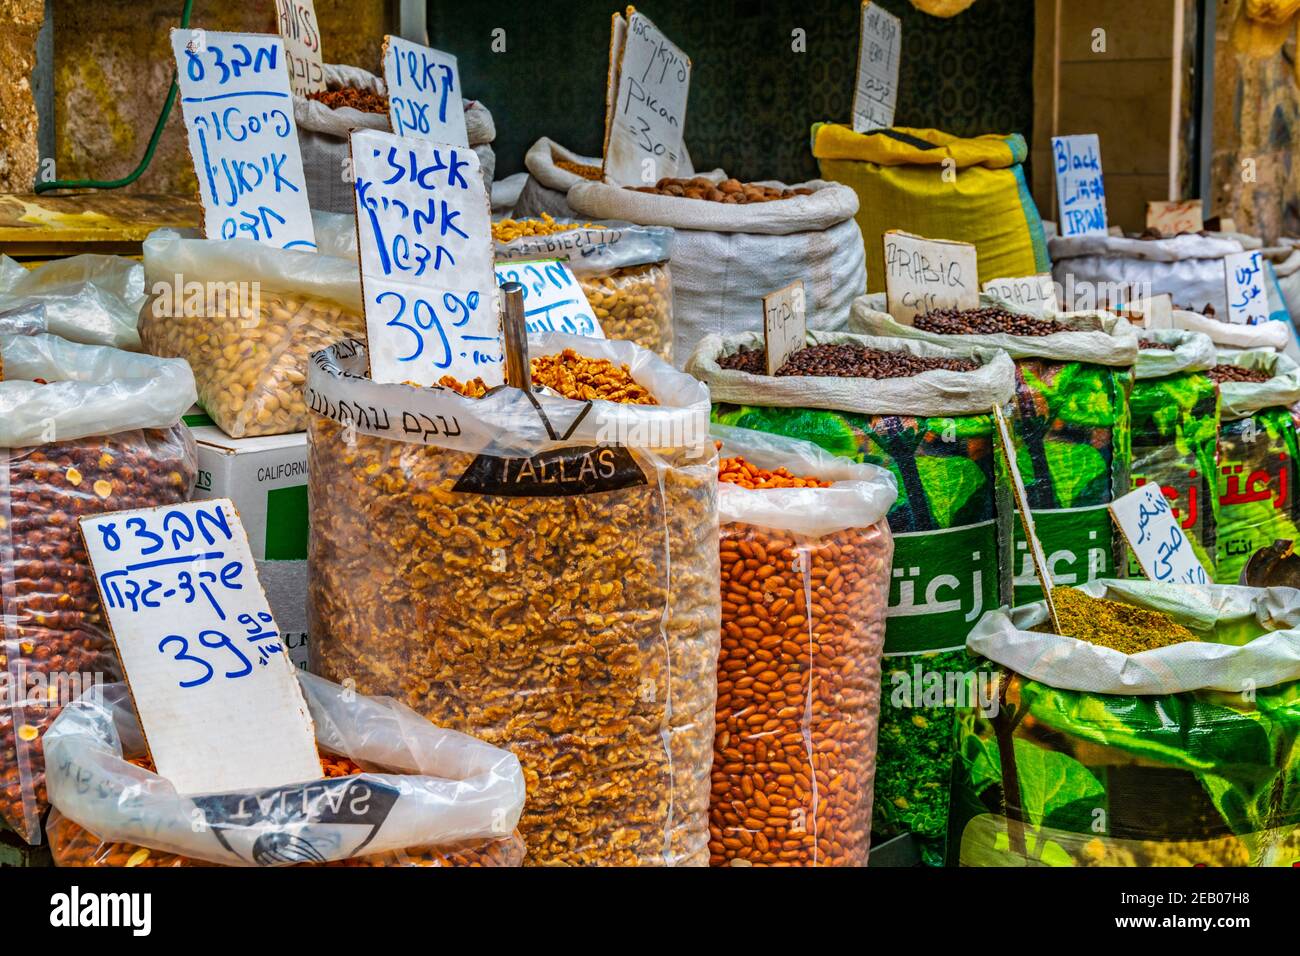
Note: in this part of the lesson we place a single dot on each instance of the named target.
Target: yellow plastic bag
(903, 182)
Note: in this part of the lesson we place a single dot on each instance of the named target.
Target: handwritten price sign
(650, 80)
(424, 97)
(424, 227)
(1159, 544)
(217, 696)
(876, 92)
(1080, 187)
(301, 35)
(553, 299)
(1244, 276)
(239, 118)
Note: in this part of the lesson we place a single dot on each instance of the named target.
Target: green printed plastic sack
(1071, 754)
(1257, 461)
(1175, 422)
(951, 527)
(1071, 427)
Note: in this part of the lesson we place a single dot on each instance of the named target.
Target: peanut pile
(250, 369)
(730, 191)
(577, 629)
(58, 634)
(507, 230)
(74, 845)
(803, 627)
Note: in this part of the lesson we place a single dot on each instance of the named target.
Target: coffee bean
(985, 322)
(1236, 373)
(845, 361)
(1149, 344)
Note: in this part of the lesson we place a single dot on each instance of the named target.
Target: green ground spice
(1121, 627)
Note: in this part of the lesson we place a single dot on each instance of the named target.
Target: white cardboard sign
(875, 94)
(1173, 218)
(239, 118)
(785, 324)
(1080, 188)
(424, 94)
(1244, 277)
(1153, 312)
(922, 275)
(1034, 294)
(1026, 516)
(218, 699)
(553, 299)
(1158, 543)
(300, 32)
(424, 230)
(652, 81)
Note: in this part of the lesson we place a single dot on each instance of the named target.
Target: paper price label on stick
(1159, 544)
(296, 20)
(875, 94)
(1032, 294)
(424, 229)
(553, 299)
(217, 696)
(1026, 516)
(785, 324)
(651, 80)
(239, 118)
(922, 275)
(1244, 278)
(1175, 218)
(424, 97)
(1080, 187)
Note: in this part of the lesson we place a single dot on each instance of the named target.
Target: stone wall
(19, 22)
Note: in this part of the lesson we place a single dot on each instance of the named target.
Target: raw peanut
(804, 717)
(507, 230)
(249, 369)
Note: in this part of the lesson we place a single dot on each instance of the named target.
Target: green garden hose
(136, 173)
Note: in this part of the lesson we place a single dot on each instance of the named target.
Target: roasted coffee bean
(845, 361)
(1237, 373)
(985, 322)
(1149, 344)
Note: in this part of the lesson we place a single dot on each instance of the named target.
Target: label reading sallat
(785, 324)
(564, 472)
(218, 699)
(1159, 544)
(1173, 218)
(238, 110)
(553, 299)
(922, 275)
(424, 229)
(1026, 516)
(875, 94)
(652, 80)
(1034, 294)
(1080, 188)
(1244, 278)
(424, 97)
(296, 20)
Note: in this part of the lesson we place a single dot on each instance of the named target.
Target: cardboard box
(266, 478)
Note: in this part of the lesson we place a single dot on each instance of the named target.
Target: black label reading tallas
(580, 470)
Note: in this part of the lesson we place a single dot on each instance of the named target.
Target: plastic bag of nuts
(805, 583)
(541, 575)
(394, 790)
(623, 270)
(247, 318)
(83, 429)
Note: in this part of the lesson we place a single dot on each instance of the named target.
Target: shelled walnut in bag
(555, 597)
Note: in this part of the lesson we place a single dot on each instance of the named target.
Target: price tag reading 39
(217, 696)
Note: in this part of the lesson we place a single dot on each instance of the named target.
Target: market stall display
(806, 555)
(923, 412)
(1175, 409)
(541, 573)
(900, 176)
(1082, 754)
(1257, 456)
(1071, 424)
(623, 270)
(394, 791)
(83, 429)
(247, 317)
(357, 99)
(727, 256)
